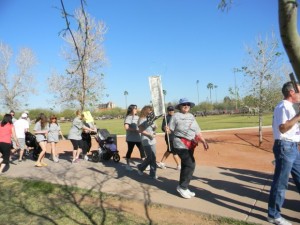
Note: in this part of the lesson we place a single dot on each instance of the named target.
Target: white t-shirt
(284, 111)
(20, 126)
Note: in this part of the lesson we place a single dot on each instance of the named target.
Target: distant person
(53, 137)
(133, 136)
(75, 135)
(187, 134)
(21, 127)
(41, 129)
(169, 141)
(286, 133)
(7, 132)
(12, 113)
(147, 131)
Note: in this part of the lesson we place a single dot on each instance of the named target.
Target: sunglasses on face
(186, 104)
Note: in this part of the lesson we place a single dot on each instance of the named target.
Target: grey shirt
(53, 132)
(76, 129)
(183, 125)
(149, 129)
(132, 136)
(38, 127)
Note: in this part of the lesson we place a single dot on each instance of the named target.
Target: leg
(141, 149)
(43, 145)
(53, 150)
(147, 160)
(130, 146)
(296, 171)
(187, 167)
(5, 150)
(153, 161)
(285, 154)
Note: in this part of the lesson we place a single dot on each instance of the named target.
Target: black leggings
(131, 145)
(5, 151)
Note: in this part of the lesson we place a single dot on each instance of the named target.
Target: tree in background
(83, 82)
(262, 72)
(14, 88)
(210, 86)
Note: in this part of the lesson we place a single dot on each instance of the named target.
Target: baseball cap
(170, 108)
(24, 115)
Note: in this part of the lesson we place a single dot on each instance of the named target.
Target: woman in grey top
(187, 134)
(75, 135)
(133, 136)
(41, 131)
(53, 136)
(147, 131)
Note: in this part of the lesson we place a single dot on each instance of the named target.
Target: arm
(289, 124)
(200, 138)
(127, 127)
(13, 131)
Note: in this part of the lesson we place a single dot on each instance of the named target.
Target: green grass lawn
(116, 126)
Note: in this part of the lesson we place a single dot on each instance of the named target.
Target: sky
(183, 41)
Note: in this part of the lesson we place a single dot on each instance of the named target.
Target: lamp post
(197, 83)
(235, 70)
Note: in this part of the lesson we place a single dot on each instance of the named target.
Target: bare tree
(14, 88)
(262, 70)
(83, 82)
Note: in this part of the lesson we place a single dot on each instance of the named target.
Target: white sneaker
(128, 167)
(86, 158)
(192, 194)
(55, 159)
(279, 221)
(147, 168)
(161, 165)
(183, 193)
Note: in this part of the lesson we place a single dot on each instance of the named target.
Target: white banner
(157, 95)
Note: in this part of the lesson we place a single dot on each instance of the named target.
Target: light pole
(125, 94)
(197, 83)
(235, 70)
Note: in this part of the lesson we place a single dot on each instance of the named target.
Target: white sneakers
(161, 165)
(185, 193)
(128, 167)
(279, 221)
(86, 158)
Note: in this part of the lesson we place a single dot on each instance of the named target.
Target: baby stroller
(31, 142)
(107, 147)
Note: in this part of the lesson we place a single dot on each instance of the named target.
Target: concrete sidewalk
(236, 193)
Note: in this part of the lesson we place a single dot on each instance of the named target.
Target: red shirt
(5, 133)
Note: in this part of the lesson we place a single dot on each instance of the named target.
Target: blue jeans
(287, 159)
(149, 160)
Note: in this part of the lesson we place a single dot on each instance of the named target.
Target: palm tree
(215, 87)
(125, 94)
(210, 86)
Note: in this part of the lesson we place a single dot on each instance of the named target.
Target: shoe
(139, 171)
(161, 165)
(86, 158)
(178, 168)
(147, 168)
(128, 167)
(154, 178)
(279, 221)
(20, 160)
(183, 193)
(192, 194)
(38, 165)
(75, 161)
(56, 159)
(44, 164)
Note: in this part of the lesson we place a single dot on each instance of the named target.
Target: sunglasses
(186, 104)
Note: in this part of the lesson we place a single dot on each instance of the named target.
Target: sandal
(38, 165)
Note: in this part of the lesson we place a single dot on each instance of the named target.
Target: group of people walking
(182, 135)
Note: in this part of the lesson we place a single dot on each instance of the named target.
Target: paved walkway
(236, 193)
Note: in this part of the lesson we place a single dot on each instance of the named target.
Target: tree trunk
(289, 32)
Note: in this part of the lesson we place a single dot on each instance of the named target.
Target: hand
(205, 145)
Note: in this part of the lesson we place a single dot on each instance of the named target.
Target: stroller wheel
(116, 157)
(95, 157)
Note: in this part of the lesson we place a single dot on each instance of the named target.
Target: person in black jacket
(169, 143)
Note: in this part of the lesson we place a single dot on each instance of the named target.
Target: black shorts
(76, 144)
